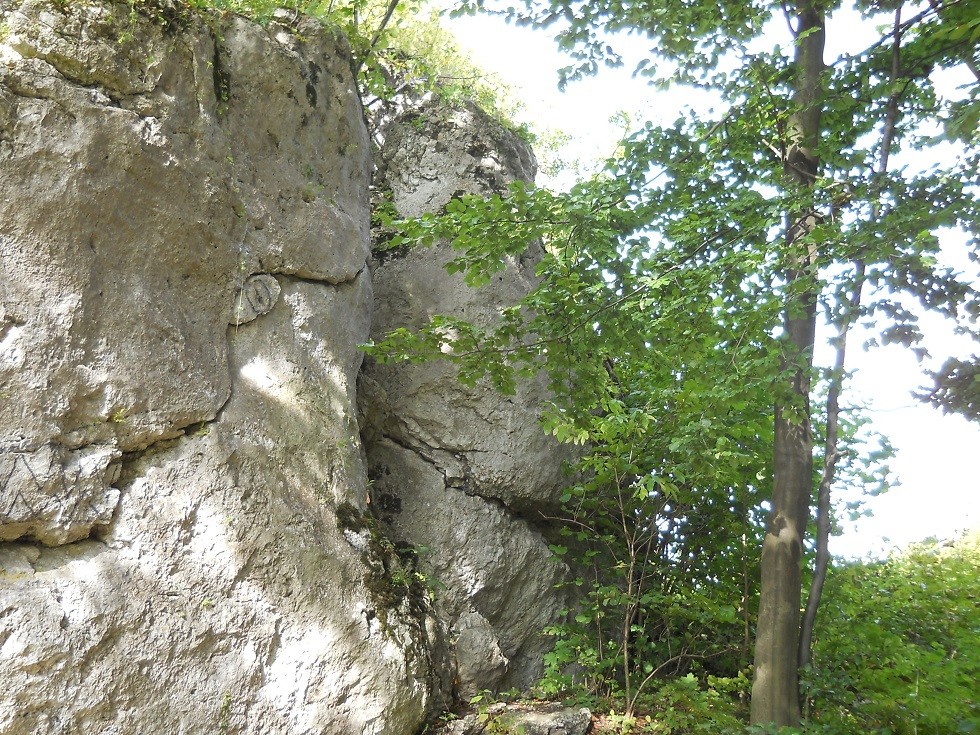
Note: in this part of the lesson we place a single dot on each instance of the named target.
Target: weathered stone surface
(256, 297)
(496, 575)
(58, 496)
(146, 176)
(465, 471)
(434, 152)
(478, 653)
(547, 721)
(523, 719)
(172, 463)
(224, 594)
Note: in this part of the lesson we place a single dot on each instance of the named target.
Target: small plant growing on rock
(393, 579)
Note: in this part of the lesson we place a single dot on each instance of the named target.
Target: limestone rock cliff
(466, 472)
(188, 540)
(183, 241)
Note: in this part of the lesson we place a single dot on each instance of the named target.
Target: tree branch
(389, 11)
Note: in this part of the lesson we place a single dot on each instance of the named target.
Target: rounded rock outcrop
(465, 471)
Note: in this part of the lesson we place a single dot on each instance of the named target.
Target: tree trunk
(837, 377)
(822, 560)
(775, 689)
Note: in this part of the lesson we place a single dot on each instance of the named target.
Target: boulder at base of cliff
(522, 719)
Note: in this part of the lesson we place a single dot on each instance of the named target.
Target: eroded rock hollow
(188, 535)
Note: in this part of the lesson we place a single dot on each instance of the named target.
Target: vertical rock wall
(465, 472)
(189, 540)
(183, 238)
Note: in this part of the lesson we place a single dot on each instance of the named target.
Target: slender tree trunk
(837, 376)
(822, 560)
(775, 689)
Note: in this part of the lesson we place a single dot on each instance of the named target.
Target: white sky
(938, 457)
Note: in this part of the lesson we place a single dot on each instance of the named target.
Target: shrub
(898, 644)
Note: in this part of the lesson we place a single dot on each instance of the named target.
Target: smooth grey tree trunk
(775, 689)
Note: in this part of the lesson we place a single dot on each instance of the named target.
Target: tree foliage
(680, 290)
(898, 650)
(957, 388)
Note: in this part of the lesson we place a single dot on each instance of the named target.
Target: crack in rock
(339, 281)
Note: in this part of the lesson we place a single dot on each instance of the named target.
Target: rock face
(189, 541)
(465, 472)
(183, 238)
(522, 719)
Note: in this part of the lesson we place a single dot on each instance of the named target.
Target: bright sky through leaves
(938, 457)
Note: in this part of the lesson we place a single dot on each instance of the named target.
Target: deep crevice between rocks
(398, 586)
